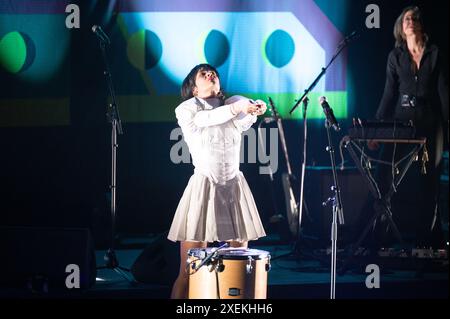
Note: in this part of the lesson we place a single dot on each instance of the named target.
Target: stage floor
(293, 275)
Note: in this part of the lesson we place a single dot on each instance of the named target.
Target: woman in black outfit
(416, 90)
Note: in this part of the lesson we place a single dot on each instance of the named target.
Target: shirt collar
(209, 103)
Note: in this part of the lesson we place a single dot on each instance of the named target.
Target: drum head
(240, 253)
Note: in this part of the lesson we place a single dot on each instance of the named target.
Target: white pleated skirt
(215, 212)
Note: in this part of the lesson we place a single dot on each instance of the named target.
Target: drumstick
(210, 256)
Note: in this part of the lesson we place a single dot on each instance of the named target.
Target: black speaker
(159, 262)
(354, 195)
(41, 256)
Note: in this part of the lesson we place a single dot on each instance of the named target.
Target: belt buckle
(408, 101)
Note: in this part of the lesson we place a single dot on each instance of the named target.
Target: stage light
(17, 52)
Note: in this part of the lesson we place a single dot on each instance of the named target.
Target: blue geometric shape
(217, 48)
(31, 51)
(153, 49)
(279, 48)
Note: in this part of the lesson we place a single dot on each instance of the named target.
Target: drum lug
(219, 266)
(190, 267)
(249, 266)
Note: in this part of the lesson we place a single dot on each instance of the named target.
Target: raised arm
(243, 121)
(190, 119)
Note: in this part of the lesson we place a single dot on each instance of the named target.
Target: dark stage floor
(292, 276)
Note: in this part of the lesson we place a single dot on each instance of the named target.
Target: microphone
(329, 113)
(100, 34)
(210, 256)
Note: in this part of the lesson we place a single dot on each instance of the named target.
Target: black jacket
(426, 90)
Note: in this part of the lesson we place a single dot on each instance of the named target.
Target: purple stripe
(328, 37)
(200, 5)
(34, 7)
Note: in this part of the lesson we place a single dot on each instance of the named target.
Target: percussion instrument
(231, 273)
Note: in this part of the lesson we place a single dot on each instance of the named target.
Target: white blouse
(213, 135)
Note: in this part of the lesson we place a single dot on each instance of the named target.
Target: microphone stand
(337, 211)
(302, 180)
(114, 118)
(291, 203)
(304, 99)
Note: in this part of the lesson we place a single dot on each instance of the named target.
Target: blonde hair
(398, 26)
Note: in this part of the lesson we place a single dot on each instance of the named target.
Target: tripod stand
(116, 127)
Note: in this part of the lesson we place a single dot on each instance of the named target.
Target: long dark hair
(187, 88)
(398, 26)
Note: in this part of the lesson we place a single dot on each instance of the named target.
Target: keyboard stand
(382, 204)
